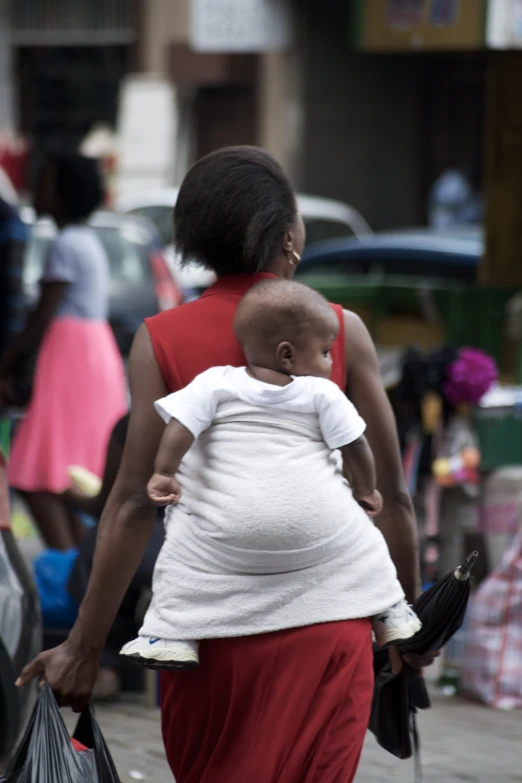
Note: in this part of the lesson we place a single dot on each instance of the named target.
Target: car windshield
(127, 255)
(162, 218)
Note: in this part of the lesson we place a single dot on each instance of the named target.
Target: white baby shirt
(195, 406)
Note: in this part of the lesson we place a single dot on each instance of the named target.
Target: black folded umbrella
(396, 698)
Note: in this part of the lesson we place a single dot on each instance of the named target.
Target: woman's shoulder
(357, 339)
(163, 322)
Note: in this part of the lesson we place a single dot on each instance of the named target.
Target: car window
(318, 229)
(162, 217)
(128, 260)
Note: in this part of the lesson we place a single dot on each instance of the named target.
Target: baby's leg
(396, 624)
(162, 653)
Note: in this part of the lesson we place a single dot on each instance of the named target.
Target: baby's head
(286, 326)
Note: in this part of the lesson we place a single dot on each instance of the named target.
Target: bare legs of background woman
(58, 528)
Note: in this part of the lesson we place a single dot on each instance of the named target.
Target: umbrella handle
(463, 572)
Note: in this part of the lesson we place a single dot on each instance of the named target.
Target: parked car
(324, 219)
(141, 282)
(20, 628)
(453, 254)
(416, 287)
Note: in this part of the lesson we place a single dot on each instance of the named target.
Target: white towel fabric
(267, 535)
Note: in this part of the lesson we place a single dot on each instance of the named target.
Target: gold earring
(293, 258)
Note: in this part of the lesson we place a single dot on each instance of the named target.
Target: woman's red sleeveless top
(190, 339)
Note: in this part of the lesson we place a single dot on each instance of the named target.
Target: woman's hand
(417, 662)
(163, 490)
(70, 673)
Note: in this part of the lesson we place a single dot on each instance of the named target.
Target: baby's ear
(285, 355)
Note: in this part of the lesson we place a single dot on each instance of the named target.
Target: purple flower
(469, 377)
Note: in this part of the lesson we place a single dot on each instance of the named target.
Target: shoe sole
(394, 637)
(151, 663)
(180, 663)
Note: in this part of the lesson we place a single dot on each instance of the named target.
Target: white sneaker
(153, 653)
(396, 624)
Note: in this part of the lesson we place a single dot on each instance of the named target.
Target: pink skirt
(79, 394)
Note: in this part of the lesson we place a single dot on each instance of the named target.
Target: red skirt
(285, 707)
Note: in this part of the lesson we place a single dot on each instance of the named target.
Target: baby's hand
(163, 490)
(372, 504)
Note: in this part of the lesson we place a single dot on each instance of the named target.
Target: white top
(78, 257)
(195, 406)
(267, 534)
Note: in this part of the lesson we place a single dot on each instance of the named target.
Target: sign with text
(433, 25)
(504, 24)
(239, 25)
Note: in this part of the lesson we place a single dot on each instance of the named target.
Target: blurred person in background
(455, 200)
(79, 386)
(13, 238)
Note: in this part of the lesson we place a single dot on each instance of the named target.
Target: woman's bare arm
(365, 390)
(124, 531)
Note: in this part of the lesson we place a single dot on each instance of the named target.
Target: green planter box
(470, 316)
(499, 432)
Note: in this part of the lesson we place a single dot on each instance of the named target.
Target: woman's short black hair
(78, 185)
(233, 211)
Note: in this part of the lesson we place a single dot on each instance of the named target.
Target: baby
(286, 331)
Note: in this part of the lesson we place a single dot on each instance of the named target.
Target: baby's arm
(163, 488)
(342, 428)
(359, 464)
(187, 413)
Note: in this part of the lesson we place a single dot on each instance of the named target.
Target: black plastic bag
(47, 755)
(88, 732)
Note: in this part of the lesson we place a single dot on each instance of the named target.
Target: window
(163, 219)
(128, 260)
(318, 229)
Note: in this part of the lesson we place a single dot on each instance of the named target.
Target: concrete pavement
(461, 743)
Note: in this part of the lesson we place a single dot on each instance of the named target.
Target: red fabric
(285, 707)
(187, 340)
(78, 745)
